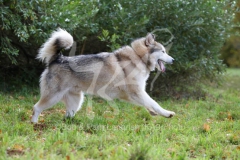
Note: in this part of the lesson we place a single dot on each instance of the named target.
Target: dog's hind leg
(73, 101)
(45, 102)
(143, 99)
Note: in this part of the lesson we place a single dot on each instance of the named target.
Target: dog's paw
(169, 114)
(34, 119)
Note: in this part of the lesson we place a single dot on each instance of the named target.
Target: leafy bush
(199, 28)
(25, 25)
(230, 52)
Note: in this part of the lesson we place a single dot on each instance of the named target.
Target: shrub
(26, 25)
(199, 28)
(230, 52)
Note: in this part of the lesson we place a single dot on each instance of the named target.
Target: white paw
(34, 119)
(69, 114)
(168, 114)
(171, 114)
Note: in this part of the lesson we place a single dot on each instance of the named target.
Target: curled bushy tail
(59, 39)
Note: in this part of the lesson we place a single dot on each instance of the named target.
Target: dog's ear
(150, 39)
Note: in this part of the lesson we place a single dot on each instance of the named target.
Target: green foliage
(28, 24)
(199, 28)
(230, 52)
(105, 37)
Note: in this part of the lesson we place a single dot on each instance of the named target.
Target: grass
(202, 129)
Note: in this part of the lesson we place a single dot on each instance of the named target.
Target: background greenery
(231, 49)
(199, 28)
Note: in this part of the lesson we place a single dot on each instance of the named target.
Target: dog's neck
(140, 50)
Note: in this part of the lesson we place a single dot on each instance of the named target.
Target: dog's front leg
(143, 99)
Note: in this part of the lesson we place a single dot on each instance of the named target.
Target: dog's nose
(173, 60)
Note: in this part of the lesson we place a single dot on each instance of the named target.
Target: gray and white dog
(121, 74)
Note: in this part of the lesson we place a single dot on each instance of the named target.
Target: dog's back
(121, 74)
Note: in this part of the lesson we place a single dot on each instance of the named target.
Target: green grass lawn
(202, 129)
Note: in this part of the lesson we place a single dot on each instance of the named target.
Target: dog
(121, 74)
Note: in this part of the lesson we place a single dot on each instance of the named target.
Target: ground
(202, 129)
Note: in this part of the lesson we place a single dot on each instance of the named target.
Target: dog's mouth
(161, 65)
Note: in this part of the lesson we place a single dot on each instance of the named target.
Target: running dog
(121, 74)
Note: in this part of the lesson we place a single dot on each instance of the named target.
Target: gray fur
(121, 74)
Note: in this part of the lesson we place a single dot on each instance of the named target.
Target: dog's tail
(60, 39)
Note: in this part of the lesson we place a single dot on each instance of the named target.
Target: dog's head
(152, 52)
